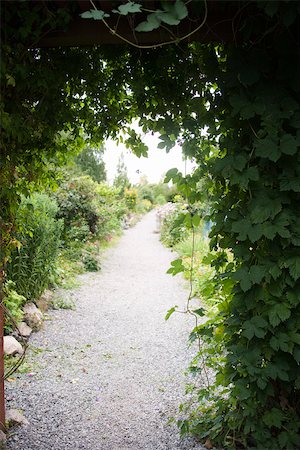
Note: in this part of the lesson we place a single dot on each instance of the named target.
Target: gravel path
(108, 375)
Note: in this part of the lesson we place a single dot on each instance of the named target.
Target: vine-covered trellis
(246, 96)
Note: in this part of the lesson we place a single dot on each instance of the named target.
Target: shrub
(90, 210)
(77, 202)
(144, 206)
(78, 231)
(172, 229)
(160, 200)
(90, 263)
(130, 196)
(13, 302)
(33, 262)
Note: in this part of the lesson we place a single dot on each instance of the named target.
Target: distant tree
(121, 180)
(91, 163)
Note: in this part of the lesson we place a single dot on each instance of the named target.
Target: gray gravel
(109, 375)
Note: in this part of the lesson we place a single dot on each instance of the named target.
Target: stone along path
(109, 375)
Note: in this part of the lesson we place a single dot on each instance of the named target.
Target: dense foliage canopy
(236, 109)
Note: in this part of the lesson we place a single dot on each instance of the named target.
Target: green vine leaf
(180, 10)
(167, 18)
(152, 23)
(242, 275)
(273, 418)
(172, 15)
(176, 267)
(196, 220)
(94, 14)
(264, 207)
(268, 148)
(257, 273)
(279, 313)
(200, 312)
(293, 264)
(171, 174)
(289, 145)
(128, 8)
(255, 327)
(290, 184)
(170, 312)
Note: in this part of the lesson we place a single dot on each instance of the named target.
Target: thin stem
(174, 41)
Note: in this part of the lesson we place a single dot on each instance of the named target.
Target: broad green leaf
(284, 436)
(255, 232)
(150, 24)
(94, 14)
(295, 337)
(290, 184)
(171, 174)
(196, 220)
(129, 7)
(242, 275)
(293, 298)
(263, 208)
(296, 354)
(239, 162)
(257, 273)
(293, 264)
(261, 383)
(87, 15)
(255, 327)
(180, 9)
(176, 267)
(274, 343)
(268, 148)
(279, 313)
(269, 230)
(170, 312)
(275, 271)
(273, 418)
(248, 331)
(285, 343)
(288, 145)
(242, 227)
(259, 321)
(168, 18)
(200, 312)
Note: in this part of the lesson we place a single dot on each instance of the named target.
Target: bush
(90, 263)
(78, 231)
(172, 230)
(13, 302)
(32, 263)
(144, 206)
(130, 196)
(160, 200)
(90, 210)
(77, 202)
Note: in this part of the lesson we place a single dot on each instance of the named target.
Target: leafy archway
(246, 96)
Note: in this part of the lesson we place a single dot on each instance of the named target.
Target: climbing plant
(234, 107)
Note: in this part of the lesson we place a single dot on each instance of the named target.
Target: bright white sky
(154, 167)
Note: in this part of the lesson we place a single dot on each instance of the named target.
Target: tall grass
(33, 262)
(201, 273)
(186, 246)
